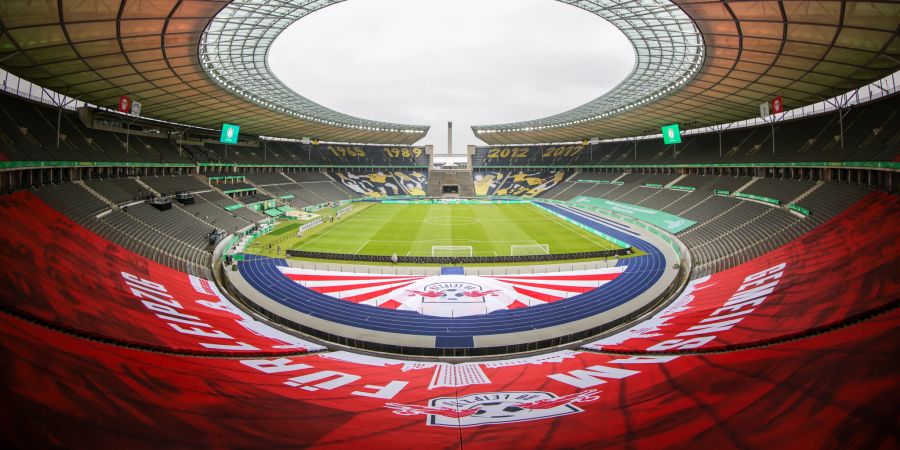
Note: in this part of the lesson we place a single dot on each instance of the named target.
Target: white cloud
(470, 61)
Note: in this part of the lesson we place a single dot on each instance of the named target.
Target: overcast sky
(474, 62)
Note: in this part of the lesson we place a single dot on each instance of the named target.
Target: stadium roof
(234, 52)
(204, 63)
(98, 50)
(754, 51)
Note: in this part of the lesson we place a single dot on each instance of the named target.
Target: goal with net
(529, 249)
(451, 250)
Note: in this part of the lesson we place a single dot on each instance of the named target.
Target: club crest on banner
(456, 296)
(492, 408)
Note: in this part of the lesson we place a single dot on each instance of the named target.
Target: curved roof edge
(755, 51)
(234, 52)
(669, 51)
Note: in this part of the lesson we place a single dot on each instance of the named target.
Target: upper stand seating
(176, 237)
(634, 190)
(303, 177)
(118, 190)
(523, 183)
(73, 201)
(384, 183)
(171, 185)
(317, 185)
(221, 200)
(267, 178)
(871, 133)
(233, 186)
(538, 156)
(28, 131)
(367, 155)
(783, 190)
(302, 189)
(729, 230)
(296, 153)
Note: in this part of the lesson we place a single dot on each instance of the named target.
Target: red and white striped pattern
(410, 292)
(535, 289)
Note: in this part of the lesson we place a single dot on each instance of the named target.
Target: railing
(760, 198)
(799, 209)
(454, 260)
(5, 165)
(881, 165)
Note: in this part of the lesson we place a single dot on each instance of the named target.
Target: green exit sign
(671, 134)
(229, 133)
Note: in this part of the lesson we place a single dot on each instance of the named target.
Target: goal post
(529, 249)
(451, 250)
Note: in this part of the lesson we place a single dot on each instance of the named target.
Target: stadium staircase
(564, 186)
(647, 198)
(619, 178)
(202, 178)
(808, 192)
(701, 204)
(675, 181)
(745, 186)
(146, 186)
(94, 193)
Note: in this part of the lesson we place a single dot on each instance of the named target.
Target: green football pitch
(446, 230)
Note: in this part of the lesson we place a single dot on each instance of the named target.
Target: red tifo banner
(837, 390)
(831, 274)
(122, 296)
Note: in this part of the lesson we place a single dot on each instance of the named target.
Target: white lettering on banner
(726, 316)
(155, 298)
(752, 293)
(215, 334)
(237, 346)
(748, 296)
(388, 391)
(144, 294)
(140, 281)
(274, 365)
(644, 360)
(681, 344)
(591, 376)
(332, 379)
(710, 328)
(165, 309)
(189, 322)
(337, 379)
